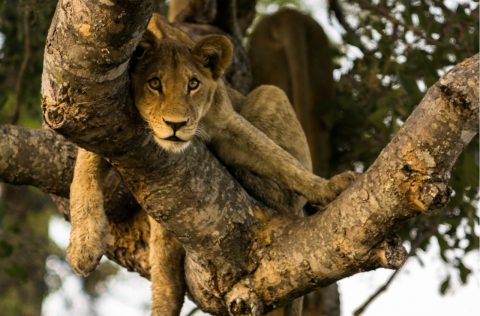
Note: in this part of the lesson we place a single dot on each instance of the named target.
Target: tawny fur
(166, 271)
(276, 149)
(197, 11)
(290, 50)
(88, 219)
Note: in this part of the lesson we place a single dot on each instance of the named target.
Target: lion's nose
(175, 125)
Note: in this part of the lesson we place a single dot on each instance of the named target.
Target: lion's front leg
(239, 142)
(166, 271)
(87, 217)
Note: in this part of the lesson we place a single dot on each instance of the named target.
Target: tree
(85, 99)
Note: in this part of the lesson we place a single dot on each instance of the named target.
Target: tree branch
(41, 158)
(44, 159)
(408, 178)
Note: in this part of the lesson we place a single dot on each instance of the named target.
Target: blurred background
(375, 61)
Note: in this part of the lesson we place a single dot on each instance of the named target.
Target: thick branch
(41, 158)
(44, 159)
(408, 178)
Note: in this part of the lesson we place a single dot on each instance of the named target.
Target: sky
(414, 292)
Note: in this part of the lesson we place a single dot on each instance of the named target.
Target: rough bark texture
(240, 256)
(26, 159)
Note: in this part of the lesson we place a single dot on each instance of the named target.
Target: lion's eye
(193, 84)
(155, 84)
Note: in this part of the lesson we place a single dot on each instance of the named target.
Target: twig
(193, 311)
(23, 67)
(380, 290)
(336, 9)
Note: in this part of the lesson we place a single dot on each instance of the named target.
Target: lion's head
(174, 81)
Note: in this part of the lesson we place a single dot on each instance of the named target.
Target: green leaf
(445, 285)
(473, 243)
(464, 272)
(443, 246)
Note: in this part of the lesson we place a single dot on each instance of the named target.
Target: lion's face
(172, 94)
(174, 86)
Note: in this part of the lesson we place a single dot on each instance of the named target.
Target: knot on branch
(423, 193)
(460, 87)
(458, 98)
(391, 253)
(429, 196)
(242, 301)
(54, 111)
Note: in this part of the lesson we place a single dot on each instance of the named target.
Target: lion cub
(179, 92)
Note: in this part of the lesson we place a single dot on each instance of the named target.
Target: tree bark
(26, 159)
(240, 256)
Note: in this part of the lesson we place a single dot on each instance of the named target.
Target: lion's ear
(215, 53)
(146, 43)
(151, 36)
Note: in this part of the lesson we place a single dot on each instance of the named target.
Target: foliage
(15, 27)
(23, 230)
(403, 48)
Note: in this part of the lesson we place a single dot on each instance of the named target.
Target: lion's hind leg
(87, 217)
(166, 271)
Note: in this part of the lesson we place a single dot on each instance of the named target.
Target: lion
(179, 92)
(290, 50)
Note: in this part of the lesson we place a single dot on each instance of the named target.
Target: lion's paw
(84, 252)
(341, 181)
(327, 191)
